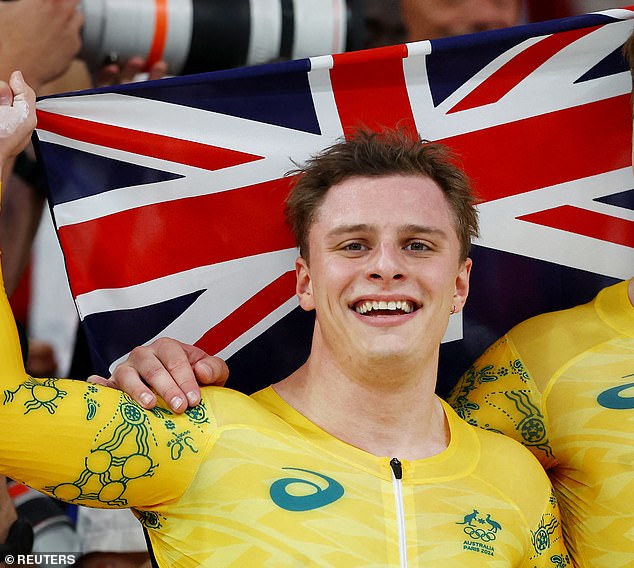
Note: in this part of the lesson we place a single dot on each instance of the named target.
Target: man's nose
(386, 263)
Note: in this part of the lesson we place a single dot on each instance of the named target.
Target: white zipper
(397, 484)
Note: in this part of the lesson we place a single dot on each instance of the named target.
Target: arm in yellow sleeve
(76, 441)
(498, 393)
(89, 444)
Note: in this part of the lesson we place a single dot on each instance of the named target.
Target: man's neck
(395, 418)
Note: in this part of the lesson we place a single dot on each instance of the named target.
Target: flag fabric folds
(167, 195)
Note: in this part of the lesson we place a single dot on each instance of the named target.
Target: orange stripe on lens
(160, 34)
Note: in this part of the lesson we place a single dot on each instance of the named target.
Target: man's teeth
(368, 306)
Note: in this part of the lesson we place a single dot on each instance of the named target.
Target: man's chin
(387, 352)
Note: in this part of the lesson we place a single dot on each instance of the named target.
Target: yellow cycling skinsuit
(248, 481)
(563, 384)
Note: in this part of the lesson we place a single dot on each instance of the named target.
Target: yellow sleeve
(87, 444)
(498, 393)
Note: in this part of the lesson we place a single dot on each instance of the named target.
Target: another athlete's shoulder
(498, 371)
(581, 321)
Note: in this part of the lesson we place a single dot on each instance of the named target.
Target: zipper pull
(397, 468)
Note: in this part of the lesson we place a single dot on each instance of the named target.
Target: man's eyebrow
(345, 229)
(405, 229)
(422, 229)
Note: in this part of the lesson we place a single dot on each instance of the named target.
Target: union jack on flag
(167, 195)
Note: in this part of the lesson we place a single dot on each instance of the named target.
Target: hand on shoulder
(172, 369)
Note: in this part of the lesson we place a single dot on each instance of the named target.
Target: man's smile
(384, 307)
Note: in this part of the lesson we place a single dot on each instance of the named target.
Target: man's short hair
(373, 154)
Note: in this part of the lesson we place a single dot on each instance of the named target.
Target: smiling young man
(350, 461)
(383, 266)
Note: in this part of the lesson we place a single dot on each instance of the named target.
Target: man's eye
(417, 247)
(354, 247)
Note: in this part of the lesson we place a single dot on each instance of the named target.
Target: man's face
(431, 19)
(384, 270)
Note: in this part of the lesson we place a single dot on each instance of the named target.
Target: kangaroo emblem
(468, 519)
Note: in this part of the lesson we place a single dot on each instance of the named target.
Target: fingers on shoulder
(211, 371)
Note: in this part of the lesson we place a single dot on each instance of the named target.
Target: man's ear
(462, 285)
(304, 285)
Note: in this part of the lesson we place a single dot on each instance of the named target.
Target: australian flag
(167, 195)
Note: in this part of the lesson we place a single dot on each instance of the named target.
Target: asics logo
(316, 498)
(613, 399)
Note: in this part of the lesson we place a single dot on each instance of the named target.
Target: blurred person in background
(431, 19)
(389, 22)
